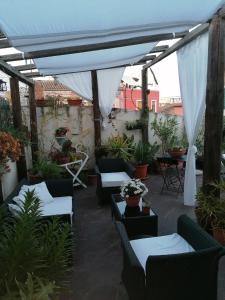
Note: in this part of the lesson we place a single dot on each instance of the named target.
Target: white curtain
(80, 83)
(108, 84)
(192, 65)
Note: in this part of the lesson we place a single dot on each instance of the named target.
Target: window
(153, 105)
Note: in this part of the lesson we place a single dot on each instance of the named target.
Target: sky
(166, 72)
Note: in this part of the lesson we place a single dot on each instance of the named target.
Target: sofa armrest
(129, 169)
(60, 187)
(183, 276)
(133, 275)
(197, 237)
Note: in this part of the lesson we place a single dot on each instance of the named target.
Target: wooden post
(214, 103)
(96, 110)
(144, 112)
(33, 124)
(18, 123)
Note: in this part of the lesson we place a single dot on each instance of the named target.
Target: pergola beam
(214, 104)
(159, 49)
(11, 71)
(4, 43)
(187, 39)
(33, 74)
(94, 47)
(26, 67)
(20, 56)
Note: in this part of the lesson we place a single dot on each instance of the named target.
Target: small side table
(139, 224)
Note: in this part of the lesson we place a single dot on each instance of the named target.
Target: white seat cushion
(59, 206)
(114, 179)
(162, 245)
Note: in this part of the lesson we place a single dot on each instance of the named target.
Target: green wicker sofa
(181, 276)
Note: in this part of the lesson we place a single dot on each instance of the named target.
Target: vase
(133, 201)
(141, 171)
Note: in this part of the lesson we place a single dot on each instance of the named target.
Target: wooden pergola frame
(214, 93)
(214, 99)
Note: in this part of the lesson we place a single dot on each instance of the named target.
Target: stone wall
(80, 122)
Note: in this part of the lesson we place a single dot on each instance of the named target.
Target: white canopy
(38, 25)
(93, 60)
(35, 25)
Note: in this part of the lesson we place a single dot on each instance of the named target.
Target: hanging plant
(10, 149)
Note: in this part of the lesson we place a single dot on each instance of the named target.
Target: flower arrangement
(10, 149)
(134, 187)
(61, 131)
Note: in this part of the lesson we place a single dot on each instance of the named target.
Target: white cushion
(59, 206)
(114, 179)
(162, 245)
(40, 190)
(14, 209)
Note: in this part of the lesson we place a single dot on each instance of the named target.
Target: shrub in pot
(43, 169)
(120, 146)
(143, 155)
(210, 212)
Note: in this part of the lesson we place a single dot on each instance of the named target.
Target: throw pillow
(40, 190)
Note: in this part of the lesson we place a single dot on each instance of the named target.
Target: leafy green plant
(145, 153)
(132, 125)
(34, 288)
(120, 146)
(210, 210)
(29, 246)
(166, 131)
(46, 169)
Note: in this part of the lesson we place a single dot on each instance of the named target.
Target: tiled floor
(98, 257)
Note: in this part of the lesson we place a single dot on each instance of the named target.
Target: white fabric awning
(93, 60)
(35, 25)
(40, 25)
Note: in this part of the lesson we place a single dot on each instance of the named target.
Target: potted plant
(65, 155)
(42, 170)
(10, 149)
(137, 124)
(210, 211)
(166, 131)
(218, 224)
(120, 146)
(60, 135)
(143, 154)
(132, 191)
(176, 152)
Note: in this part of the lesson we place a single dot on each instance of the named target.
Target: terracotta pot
(74, 102)
(63, 160)
(176, 152)
(34, 178)
(133, 201)
(145, 210)
(219, 235)
(141, 171)
(92, 179)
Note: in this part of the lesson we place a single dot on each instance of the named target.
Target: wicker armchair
(190, 275)
(111, 173)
